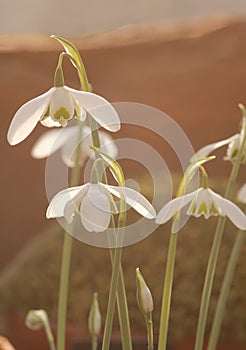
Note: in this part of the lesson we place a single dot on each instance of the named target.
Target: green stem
(115, 277)
(65, 265)
(167, 291)
(121, 291)
(217, 321)
(206, 294)
(94, 342)
(149, 326)
(49, 336)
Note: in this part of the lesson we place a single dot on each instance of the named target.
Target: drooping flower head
(56, 107)
(204, 202)
(95, 205)
(67, 141)
(234, 143)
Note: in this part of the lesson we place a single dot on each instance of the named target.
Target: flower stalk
(207, 289)
(167, 292)
(66, 262)
(227, 281)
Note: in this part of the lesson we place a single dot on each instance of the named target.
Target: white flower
(203, 202)
(241, 196)
(95, 205)
(67, 140)
(56, 107)
(234, 144)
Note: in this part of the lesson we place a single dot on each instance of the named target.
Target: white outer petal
(206, 150)
(50, 142)
(231, 210)
(95, 210)
(68, 151)
(99, 108)
(136, 200)
(241, 196)
(59, 201)
(172, 207)
(72, 206)
(27, 117)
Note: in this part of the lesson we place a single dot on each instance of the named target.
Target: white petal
(206, 150)
(95, 210)
(59, 201)
(50, 142)
(69, 149)
(72, 206)
(137, 201)
(241, 196)
(172, 207)
(48, 122)
(99, 108)
(27, 117)
(231, 210)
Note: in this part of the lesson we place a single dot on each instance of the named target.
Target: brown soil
(197, 75)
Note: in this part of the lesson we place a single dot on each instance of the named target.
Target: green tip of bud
(94, 319)
(144, 297)
(36, 319)
(59, 78)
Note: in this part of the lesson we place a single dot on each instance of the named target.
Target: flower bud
(36, 319)
(94, 320)
(144, 297)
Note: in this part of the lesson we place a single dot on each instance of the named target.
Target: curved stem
(217, 321)
(206, 294)
(167, 292)
(49, 336)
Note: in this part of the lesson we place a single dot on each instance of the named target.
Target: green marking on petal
(213, 210)
(61, 113)
(203, 209)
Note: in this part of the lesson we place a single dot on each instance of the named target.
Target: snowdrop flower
(67, 141)
(203, 202)
(94, 203)
(241, 196)
(56, 107)
(234, 144)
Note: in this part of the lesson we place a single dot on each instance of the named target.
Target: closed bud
(36, 319)
(94, 320)
(144, 297)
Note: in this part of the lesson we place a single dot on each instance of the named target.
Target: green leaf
(75, 59)
(113, 165)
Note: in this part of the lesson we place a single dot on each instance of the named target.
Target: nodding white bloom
(67, 140)
(94, 203)
(56, 107)
(203, 202)
(241, 196)
(234, 143)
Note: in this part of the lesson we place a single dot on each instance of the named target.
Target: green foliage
(31, 280)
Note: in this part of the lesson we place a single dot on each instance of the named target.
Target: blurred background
(186, 58)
